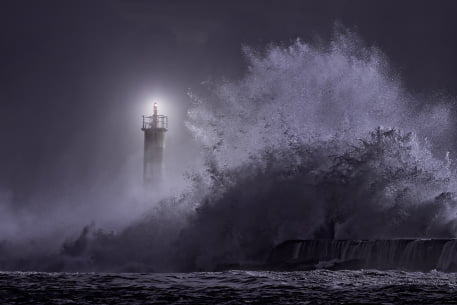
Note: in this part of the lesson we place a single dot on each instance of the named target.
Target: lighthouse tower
(154, 128)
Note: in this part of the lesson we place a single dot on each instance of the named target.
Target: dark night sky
(72, 71)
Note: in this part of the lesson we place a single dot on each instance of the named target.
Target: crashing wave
(294, 151)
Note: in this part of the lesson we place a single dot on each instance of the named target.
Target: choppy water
(232, 287)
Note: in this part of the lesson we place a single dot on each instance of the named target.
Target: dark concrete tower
(154, 128)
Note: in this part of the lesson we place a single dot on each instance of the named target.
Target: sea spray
(307, 93)
(295, 151)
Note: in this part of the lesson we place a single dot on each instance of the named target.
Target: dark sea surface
(231, 287)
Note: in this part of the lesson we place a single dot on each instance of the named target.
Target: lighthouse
(154, 128)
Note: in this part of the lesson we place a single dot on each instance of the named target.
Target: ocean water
(231, 287)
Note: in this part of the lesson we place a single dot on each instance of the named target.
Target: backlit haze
(237, 83)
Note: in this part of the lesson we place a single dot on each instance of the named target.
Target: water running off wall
(414, 255)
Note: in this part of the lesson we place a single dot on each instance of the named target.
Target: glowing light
(160, 105)
(154, 103)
